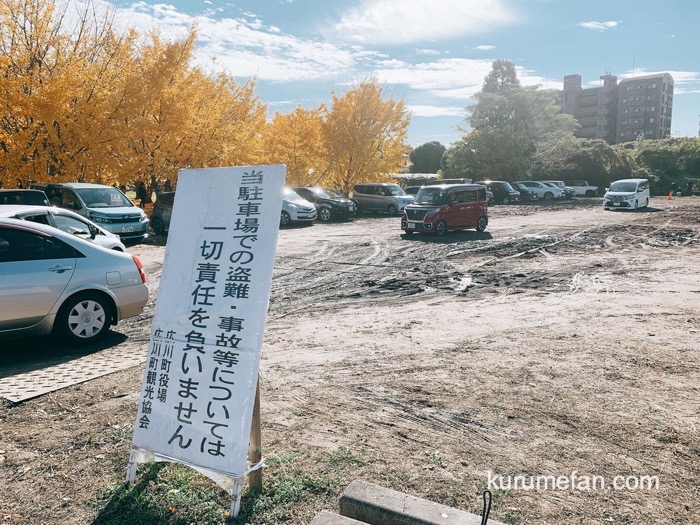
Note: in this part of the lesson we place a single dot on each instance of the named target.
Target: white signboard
(201, 371)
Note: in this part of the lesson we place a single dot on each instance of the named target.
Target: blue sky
(434, 54)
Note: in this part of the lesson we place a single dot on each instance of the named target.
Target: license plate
(616, 203)
(127, 229)
(411, 226)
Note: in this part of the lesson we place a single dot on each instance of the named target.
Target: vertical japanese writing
(207, 354)
(158, 363)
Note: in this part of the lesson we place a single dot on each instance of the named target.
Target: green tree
(667, 161)
(427, 157)
(502, 74)
(592, 160)
(508, 127)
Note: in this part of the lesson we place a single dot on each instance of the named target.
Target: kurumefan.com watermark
(573, 481)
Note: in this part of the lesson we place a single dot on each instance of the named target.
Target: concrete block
(377, 505)
(329, 518)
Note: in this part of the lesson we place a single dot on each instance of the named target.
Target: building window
(651, 121)
(648, 131)
(651, 108)
(650, 97)
(652, 86)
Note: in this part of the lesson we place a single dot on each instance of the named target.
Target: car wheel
(646, 203)
(481, 225)
(506, 200)
(548, 196)
(392, 210)
(358, 208)
(285, 219)
(157, 226)
(324, 213)
(84, 318)
(441, 228)
(590, 193)
(636, 205)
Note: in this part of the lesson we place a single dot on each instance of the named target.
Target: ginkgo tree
(80, 102)
(365, 136)
(296, 140)
(178, 117)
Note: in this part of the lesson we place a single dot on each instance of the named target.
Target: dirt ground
(562, 341)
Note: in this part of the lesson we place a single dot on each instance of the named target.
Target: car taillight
(140, 267)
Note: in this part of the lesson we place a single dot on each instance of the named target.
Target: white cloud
(245, 47)
(437, 111)
(599, 26)
(485, 48)
(457, 78)
(685, 82)
(452, 78)
(405, 21)
(427, 52)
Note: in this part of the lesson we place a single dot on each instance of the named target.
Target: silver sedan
(52, 282)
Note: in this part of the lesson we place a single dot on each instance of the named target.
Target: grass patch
(341, 458)
(173, 494)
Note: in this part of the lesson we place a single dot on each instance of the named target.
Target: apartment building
(619, 112)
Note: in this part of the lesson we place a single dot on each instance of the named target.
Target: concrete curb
(328, 518)
(377, 505)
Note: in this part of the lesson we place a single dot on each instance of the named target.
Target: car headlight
(629, 197)
(431, 211)
(292, 206)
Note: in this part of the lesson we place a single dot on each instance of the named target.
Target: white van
(627, 193)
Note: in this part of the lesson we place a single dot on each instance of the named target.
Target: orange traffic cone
(670, 195)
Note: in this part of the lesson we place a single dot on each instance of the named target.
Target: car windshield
(291, 195)
(431, 196)
(327, 194)
(623, 187)
(506, 186)
(395, 189)
(103, 198)
(335, 194)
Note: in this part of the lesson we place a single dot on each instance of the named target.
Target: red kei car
(440, 208)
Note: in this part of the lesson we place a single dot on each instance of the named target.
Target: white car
(543, 191)
(66, 220)
(296, 209)
(627, 193)
(52, 282)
